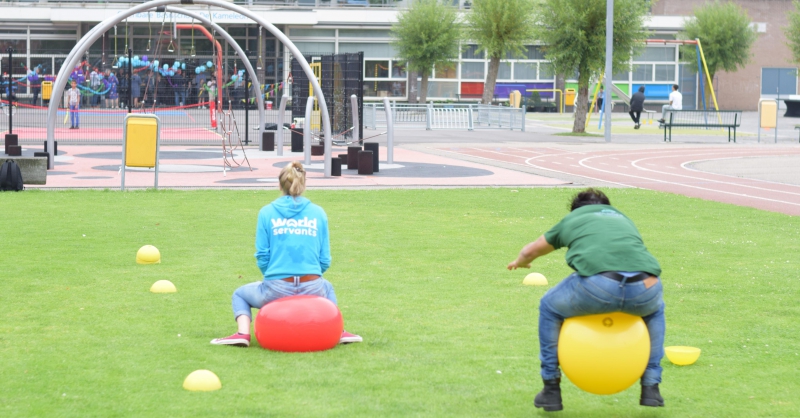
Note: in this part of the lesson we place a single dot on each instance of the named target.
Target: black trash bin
(373, 146)
(297, 140)
(268, 141)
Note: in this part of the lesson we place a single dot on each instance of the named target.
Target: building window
(781, 81)
(473, 70)
(504, 72)
(385, 78)
(471, 52)
(525, 70)
(643, 72)
(665, 72)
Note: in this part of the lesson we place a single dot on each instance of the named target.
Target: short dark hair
(675, 87)
(590, 196)
(641, 89)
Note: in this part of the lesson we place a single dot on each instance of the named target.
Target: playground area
(118, 269)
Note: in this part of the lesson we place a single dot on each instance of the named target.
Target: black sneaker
(651, 396)
(550, 396)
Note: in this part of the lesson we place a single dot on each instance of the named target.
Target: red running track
(659, 169)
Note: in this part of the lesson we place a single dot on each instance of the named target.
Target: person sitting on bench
(675, 103)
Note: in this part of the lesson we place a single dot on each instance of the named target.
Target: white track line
(683, 165)
(634, 163)
(582, 163)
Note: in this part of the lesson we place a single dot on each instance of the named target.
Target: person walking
(614, 272)
(36, 85)
(637, 107)
(675, 103)
(291, 259)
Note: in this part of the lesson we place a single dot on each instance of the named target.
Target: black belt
(618, 277)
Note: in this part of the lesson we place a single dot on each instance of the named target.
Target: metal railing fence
(180, 125)
(445, 116)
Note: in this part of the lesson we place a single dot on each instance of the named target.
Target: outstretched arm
(531, 252)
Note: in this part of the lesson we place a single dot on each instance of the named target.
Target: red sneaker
(348, 338)
(236, 340)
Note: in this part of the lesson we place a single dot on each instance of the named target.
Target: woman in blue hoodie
(292, 252)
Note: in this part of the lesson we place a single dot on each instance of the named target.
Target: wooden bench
(730, 119)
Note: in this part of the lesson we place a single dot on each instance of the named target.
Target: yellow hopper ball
(535, 279)
(682, 355)
(605, 353)
(163, 286)
(148, 255)
(202, 380)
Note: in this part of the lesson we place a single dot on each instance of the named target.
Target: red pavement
(90, 166)
(658, 169)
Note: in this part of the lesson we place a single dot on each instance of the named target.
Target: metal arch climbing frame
(102, 27)
(236, 47)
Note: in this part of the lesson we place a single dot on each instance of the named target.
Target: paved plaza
(697, 163)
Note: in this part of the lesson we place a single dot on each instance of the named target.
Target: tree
(725, 35)
(793, 31)
(426, 35)
(500, 27)
(574, 37)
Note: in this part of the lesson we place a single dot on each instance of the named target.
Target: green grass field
(420, 274)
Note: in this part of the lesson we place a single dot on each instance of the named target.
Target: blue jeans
(180, 98)
(74, 116)
(258, 294)
(578, 296)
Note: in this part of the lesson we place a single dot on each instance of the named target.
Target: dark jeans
(35, 91)
(636, 116)
(576, 296)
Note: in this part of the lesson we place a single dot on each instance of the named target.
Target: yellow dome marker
(682, 355)
(535, 279)
(202, 381)
(148, 255)
(163, 286)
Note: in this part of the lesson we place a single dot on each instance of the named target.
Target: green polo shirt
(601, 238)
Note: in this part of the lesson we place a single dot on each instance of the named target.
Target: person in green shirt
(614, 272)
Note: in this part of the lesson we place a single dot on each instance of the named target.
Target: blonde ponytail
(293, 179)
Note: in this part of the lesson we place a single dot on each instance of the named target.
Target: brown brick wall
(742, 89)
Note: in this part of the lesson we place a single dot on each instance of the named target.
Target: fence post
(246, 107)
(524, 113)
(470, 123)
(279, 134)
(389, 131)
(354, 110)
(428, 116)
(307, 131)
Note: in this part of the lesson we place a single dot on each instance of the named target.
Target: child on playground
(74, 103)
(292, 252)
(211, 87)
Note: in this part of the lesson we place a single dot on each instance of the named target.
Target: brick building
(772, 66)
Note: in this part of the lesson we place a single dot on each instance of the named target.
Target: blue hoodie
(292, 239)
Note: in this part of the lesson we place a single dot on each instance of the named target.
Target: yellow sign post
(768, 116)
(140, 143)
